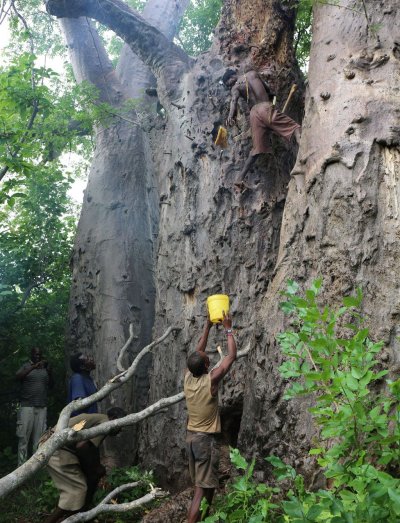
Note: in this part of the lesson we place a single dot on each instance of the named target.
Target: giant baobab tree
(161, 227)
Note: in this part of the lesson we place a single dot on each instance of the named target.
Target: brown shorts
(263, 119)
(203, 451)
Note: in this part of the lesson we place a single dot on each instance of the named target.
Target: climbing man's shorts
(203, 453)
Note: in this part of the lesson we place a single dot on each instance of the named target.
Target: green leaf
(351, 382)
(314, 512)
(313, 452)
(394, 495)
(351, 301)
(292, 508)
(237, 459)
(275, 461)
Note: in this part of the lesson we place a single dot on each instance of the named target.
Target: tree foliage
(197, 26)
(302, 36)
(35, 245)
(31, 28)
(40, 115)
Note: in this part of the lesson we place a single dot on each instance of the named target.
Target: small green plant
(246, 499)
(46, 495)
(120, 476)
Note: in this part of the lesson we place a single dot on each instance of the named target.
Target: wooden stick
(293, 89)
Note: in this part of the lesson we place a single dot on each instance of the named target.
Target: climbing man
(263, 116)
(76, 469)
(204, 425)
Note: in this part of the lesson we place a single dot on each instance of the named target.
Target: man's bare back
(252, 89)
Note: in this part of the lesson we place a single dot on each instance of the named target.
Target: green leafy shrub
(246, 499)
(328, 353)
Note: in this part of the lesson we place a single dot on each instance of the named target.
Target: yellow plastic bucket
(216, 304)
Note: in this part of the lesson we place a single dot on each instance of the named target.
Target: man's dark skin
(252, 89)
(37, 363)
(88, 363)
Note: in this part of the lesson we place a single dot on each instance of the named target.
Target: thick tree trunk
(113, 258)
(210, 239)
(344, 225)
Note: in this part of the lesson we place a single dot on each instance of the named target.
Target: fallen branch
(120, 367)
(64, 434)
(104, 505)
(111, 385)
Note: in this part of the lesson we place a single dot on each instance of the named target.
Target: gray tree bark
(113, 257)
(344, 223)
(338, 219)
(210, 240)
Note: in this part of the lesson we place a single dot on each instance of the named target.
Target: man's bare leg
(209, 494)
(241, 185)
(194, 510)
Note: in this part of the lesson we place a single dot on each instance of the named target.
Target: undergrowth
(38, 497)
(328, 353)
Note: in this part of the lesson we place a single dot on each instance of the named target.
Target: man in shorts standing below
(201, 391)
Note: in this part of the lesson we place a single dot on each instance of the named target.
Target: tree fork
(167, 61)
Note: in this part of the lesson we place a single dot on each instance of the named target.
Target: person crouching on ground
(76, 469)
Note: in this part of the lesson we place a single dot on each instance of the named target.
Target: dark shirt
(34, 387)
(82, 386)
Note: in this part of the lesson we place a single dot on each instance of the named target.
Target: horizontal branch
(112, 384)
(65, 434)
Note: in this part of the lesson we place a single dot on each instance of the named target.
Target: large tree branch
(166, 60)
(134, 75)
(89, 59)
(112, 384)
(65, 435)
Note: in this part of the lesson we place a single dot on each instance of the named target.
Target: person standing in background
(36, 378)
(81, 384)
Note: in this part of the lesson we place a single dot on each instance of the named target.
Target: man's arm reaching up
(218, 373)
(202, 343)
